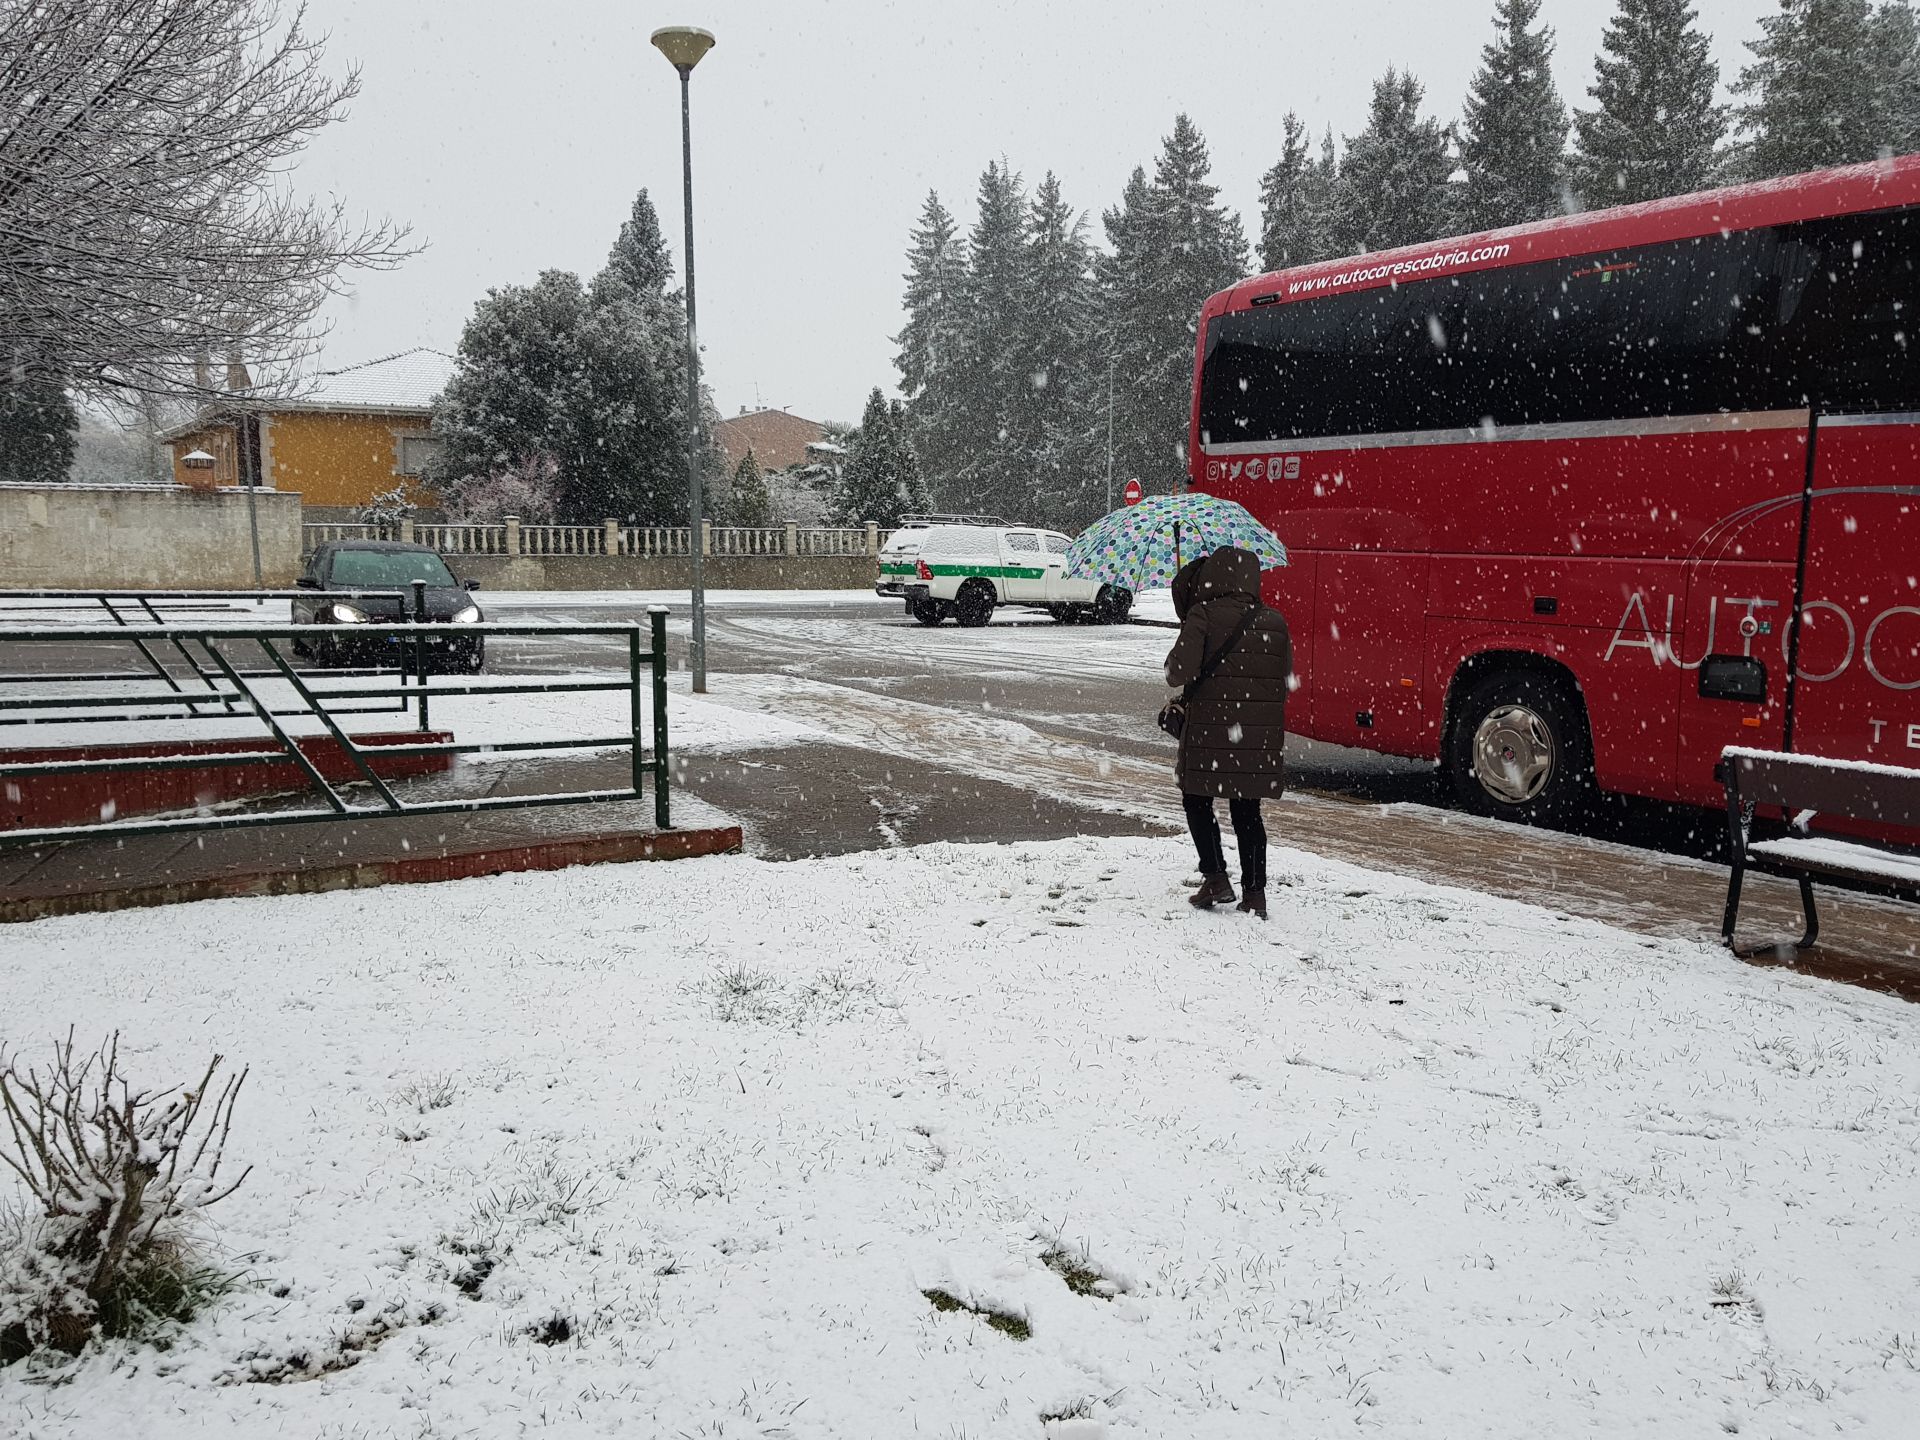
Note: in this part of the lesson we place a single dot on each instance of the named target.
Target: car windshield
(386, 569)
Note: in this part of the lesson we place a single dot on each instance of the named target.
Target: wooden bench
(1804, 786)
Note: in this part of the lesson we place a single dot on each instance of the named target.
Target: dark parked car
(349, 565)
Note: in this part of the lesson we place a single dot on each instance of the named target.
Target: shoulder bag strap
(1212, 661)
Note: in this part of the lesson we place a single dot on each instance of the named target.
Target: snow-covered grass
(726, 1148)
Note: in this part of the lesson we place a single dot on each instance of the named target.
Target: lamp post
(683, 45)
(1109, 430)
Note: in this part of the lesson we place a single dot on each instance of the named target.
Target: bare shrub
(528, 486)
(114, 1175)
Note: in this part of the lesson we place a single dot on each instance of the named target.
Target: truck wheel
(1111, 605)
(1519, 748)
(928, 612)
(973, 606)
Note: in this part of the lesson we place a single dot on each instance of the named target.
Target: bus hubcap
(1513, 754)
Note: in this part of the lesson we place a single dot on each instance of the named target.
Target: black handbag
(1173, 714)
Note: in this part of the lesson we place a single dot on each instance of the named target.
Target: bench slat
(1881, 794)
(1842, 857)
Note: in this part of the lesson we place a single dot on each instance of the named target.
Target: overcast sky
(513, 135)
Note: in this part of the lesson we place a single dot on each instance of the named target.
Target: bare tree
(146, 217)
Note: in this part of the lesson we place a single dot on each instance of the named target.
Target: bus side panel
(1611, 625)
(1648, 496)
(1369, 649)
(1733, 607)
(1290, 590)
(1858, 695)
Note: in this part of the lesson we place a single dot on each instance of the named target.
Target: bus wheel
(928, 612)
(973, 606)
(1519, 748)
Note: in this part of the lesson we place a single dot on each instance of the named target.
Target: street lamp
(683, 45)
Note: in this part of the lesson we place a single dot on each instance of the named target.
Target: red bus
(1584, 501)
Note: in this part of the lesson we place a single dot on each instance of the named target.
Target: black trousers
(1248, 829)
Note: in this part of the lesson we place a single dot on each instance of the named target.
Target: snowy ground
(1407, 1159)
(692, 723)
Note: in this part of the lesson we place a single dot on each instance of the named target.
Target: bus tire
(928, 612)
(973, 606)
(1519, 748)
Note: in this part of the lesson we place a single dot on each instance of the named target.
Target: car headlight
(468, 616)
(349, 615)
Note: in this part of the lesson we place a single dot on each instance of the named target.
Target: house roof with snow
(406, 383)
(410, 380)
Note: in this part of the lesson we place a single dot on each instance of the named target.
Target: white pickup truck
(965, 571)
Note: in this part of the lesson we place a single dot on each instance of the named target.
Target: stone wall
(144, 537)
(632, 572)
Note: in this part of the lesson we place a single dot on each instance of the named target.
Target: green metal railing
(241, 694)
(144, 614)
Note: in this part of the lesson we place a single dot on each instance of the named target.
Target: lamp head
(683, 45)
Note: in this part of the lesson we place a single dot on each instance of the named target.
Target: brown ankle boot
(1218, 890)
(1254, 901)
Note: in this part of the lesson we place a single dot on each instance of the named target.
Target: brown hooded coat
(1235, 737)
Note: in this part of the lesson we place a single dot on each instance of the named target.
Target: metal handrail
(280, 747)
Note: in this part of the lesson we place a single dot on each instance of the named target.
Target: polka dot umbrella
(1140, 547)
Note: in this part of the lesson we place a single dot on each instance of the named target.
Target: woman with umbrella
(1234, 660)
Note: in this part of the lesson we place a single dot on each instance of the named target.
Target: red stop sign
(1134, 493)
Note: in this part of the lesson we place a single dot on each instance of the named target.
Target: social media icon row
(1280, 467)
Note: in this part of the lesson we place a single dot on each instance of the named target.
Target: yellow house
(347, 437)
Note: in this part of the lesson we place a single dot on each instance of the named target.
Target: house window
(417, 452)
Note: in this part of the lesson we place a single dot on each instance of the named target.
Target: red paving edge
(79, 797)
(411, 870)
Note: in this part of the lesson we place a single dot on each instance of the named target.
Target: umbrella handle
(1176, 547)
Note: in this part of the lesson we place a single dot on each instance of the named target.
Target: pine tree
(1514, 127)
(639, 259)
(989, 392)
(880, 479)
(1655, 129)
(1173, 244)
(1393, 185)
(929, 354)
(1051, 423)
(38, 428)
(1897, 46)
(1815, 93)
(911, 484)
(749, 502)
(1293, 202)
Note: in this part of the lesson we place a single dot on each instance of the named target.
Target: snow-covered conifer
(1654, 130)
(1295, 195)
(929, 354)
(1393, 186)
(749, 502)
(1514, 128)
(1173, 244)
(1815, 94)
(38, 427)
